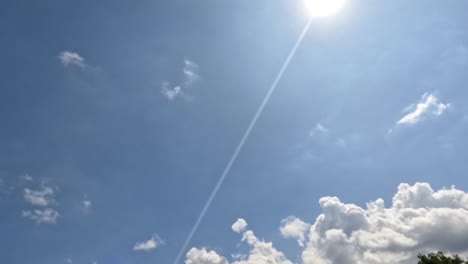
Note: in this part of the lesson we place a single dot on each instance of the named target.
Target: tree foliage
(440, 258)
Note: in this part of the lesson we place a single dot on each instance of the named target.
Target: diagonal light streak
(243, 140)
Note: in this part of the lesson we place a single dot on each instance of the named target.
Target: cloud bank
(418, 220)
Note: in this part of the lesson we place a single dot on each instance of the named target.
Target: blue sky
(118, 118)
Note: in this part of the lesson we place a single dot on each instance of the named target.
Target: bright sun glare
(323, 8)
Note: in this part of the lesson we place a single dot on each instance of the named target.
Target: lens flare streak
(242, 142)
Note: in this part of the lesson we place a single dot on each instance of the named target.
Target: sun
(323, 8)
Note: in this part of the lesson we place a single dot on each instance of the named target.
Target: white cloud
(87, 205)
(68, 261)
(27, 177)
(47, 216)
(202, 256)
(319, 129)
(260, 252)
(153, 243)
(418, 220)
(172, 93)
(293, 227)
(428, 105)
(42, 197)
(68, 58)
(189, 70)
(239, 226)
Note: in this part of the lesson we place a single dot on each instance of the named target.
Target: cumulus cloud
(43, 197)
(69, 58)
(239, 226)
(261, 252)
(151, 244)
(418, 220)
(427, 106)
(46, 216)
(202, 256)
(190, 69)
(293, 227)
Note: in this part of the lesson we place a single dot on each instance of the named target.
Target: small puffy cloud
(87, 205)
(319, 129)
(293, 227)
(68, 261)
(46, 216)
(190, 72)
(427, 106)
(27, 177)
(151, 244)
(42, 197)
(239, 226)
(171, 92)
(202, 256)
(68, 58)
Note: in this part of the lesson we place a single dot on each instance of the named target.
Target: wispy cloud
(69, 58)
(43, 197)
(319, 129)
(151, 244)
(429, 105)
(171, 92)
(87, 205)
(190, 71)
(27, 177)
(46, 216)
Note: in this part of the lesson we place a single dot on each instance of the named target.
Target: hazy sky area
(118, 118)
